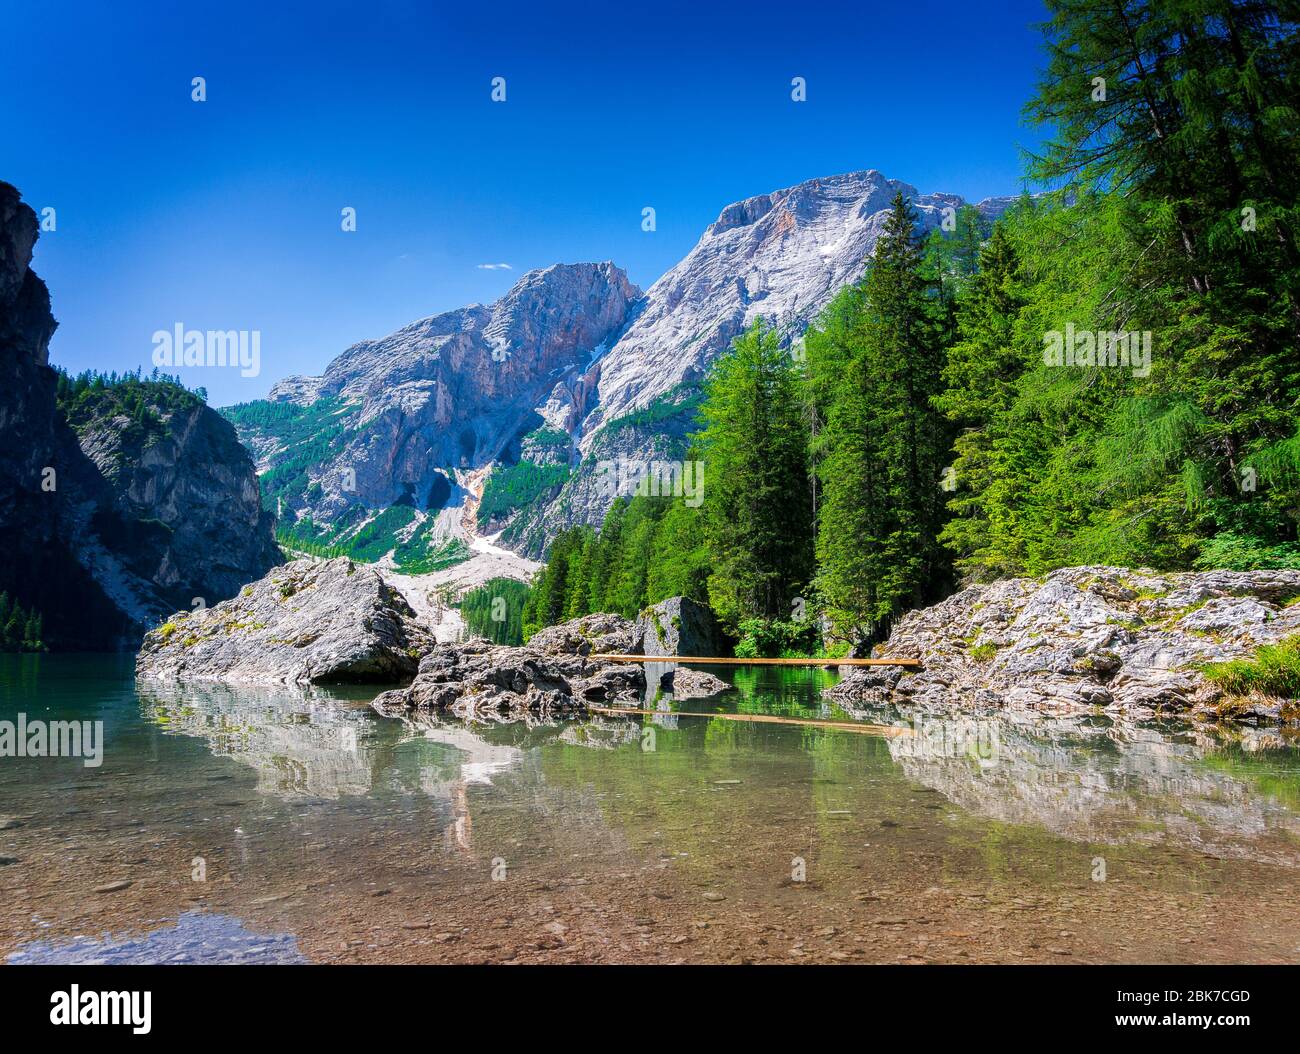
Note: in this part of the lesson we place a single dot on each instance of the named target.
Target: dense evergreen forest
(92, 395)
(1107, 375)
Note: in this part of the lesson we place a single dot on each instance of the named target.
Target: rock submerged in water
(307, 622)
(1130, 642)
(553, 675)
(686, 683)
(863, 685)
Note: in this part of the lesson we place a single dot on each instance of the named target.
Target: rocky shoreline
(1083, 639)
(1107, 639)
(335, 621)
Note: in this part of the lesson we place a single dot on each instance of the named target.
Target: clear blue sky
(225, 214)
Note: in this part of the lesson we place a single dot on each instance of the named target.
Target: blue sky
(226, 214)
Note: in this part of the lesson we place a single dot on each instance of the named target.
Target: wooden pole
(717, 661)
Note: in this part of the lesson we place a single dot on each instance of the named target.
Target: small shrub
(1275, 670)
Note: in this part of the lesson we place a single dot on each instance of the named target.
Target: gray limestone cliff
(780, 257)
(415, 421)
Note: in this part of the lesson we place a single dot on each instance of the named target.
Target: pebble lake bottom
(232, 825)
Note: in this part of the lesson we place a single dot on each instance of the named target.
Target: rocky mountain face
(169, 512)
(412, 421)
(497, 418)
(109, 520)
(28, 422)
(780, 257)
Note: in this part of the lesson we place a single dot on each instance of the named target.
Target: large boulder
(1129, 642)
(480, 680)
(307, 622)
(679, 626)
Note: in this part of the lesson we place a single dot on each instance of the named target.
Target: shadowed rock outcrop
(678, 626)
(110, 517)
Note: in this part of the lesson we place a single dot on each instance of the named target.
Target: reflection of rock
(302, 743)
(481, 753)
(601, 733)
(1093, 779)
(1128, 641)
(308, 622)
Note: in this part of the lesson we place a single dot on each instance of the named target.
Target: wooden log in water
(717, 661)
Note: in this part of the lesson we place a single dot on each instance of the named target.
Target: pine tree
(884, 445)
(604, 562)
(681, 564)
(13, 632)
(32, 632)
(577, 599)
(981, 376)
(758, 515)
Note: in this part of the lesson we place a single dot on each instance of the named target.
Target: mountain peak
(780, 256)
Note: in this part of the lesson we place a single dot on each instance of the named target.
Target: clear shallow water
(302, 823)
(195, 938)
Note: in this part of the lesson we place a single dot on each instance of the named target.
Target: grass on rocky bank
(1275, 671)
